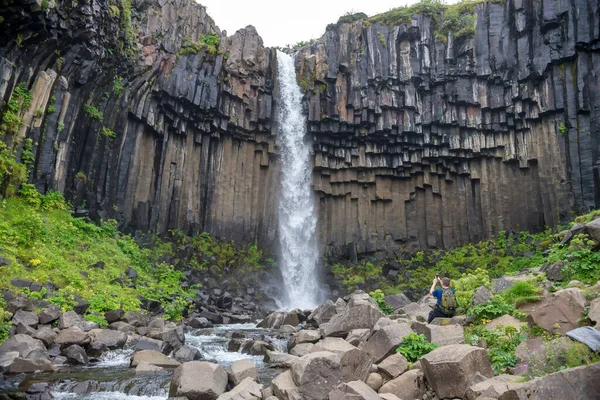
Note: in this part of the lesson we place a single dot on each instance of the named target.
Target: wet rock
(146, 368)
(185, 381)
(316, 374)
(409, 385)
(187, 353)
(154, 358)
(25, 318)
(241, 370)
(152, 344)
(356, 390)
(393, 366)
(49, 314)
(22, 344)
(76, 355)
(234, 345)
(170, 333)
(449, 369)
(386, 340)
(87, 386)
(257, 348)
(72, 335)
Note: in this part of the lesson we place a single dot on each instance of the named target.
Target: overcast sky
(287, 22)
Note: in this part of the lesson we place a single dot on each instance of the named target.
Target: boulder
(105, 337)
(355, 365)
(384, 341)
(594, 312)
(393, 366)
(416, 311)
(397, 300)
(122, 326)
(72, 335)
(375, 381)
(357, 337)
(49, 314)
(154, 358)
(554, 271)
(302, 349)
(69, 319)
(441, 334)
(593, 230)
(22, 344)
(390, 396)
(333, 344)
(146, 368)
(152, 344)
(24, 329)
(170, 333)
(280, 359)
(6, 359)
(356, 390)
(257, 348)
(241, 370)
(198, 380)
(381, 322)
(187, 353)
(409, 385)
(247, 389)
(46, 335)
(323, 313)
(135, 318)
(278, 319)
(492, 387)
(306, 336)
(505, 320)
(449, 369)
(75, 355)
(560, 311)
(572, 383)
(199, 323)
(22, 365)
(26, 318)
(284, 387)
(288, 329)
(358, 314)
(481, 296)
(316, 374)
(113, 315)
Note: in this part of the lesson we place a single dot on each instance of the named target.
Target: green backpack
(448, 303)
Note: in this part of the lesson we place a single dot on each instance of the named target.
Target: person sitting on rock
(446, 299)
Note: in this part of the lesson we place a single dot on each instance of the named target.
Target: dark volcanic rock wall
(426, 144)
(418, 142)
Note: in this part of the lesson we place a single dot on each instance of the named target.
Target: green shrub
(93, 112)
(466, 286)
(109, 133)
(521, 293)
(208, 42)
(101, 321)
(494, 308)
(5, 321)
(500, 344)
(414, 346)
(354, 276)
(379, 298)
(12, 173)
(118, 85)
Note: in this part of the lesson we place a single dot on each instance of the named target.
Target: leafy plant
(500, 343)
(379, 297)
(414, 346)
(118, 85)
(109, 133)
(93, 111)
(5, 324)
(101, 321)
(208, 42)
(494, 308)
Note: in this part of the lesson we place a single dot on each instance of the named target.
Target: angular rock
(554, 271)
(386, 340)
(49, 314)
(122, 327)
(72, 335)
(505, 320)
(594, 312)
(187, 353)
(356, 390)
(449, 369)
(22, 344)
(46, 335)
(316, 374)
(357, 337)
(247, 389)
(76, 355)
(393, 366)
(481, 296)
(113, 315)
(397, 300)
(302, 349)
(170, 334)
(493, 387)
(356, 315)
(416, 311)
(105, 337)
(6, 358)
(199, 323)
(241, 370)
(257, 348)
(26, 318)
(278, 319)
(323, 313)
(560, 311)
(441, 334)
(154, 358)
(152, 344)
(186, 382)
(284, 387)
(355, 365)
(333, 344)
(69, 319)
(24, 329)
(280, 359)
(22, 365)
(146, 368)
(306, 336)
(409, 385)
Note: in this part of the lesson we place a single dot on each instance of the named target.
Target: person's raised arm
(435, 281)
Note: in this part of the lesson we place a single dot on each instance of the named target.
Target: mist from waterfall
(299, 252)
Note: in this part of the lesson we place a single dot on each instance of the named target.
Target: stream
(111, 378)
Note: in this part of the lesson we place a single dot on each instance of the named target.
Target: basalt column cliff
(144, 111)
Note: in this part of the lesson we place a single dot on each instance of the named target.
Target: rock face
(417, 141)
(450, 369)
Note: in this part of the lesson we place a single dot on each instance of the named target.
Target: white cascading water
(297, 219)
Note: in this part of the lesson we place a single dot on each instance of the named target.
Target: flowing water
(297, 218)
(110, 377)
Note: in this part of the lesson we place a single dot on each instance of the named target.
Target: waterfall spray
(297, 219)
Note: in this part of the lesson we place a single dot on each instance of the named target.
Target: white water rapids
(297, 219)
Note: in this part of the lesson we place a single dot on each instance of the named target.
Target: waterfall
(297, 220)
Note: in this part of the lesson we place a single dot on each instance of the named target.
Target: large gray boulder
(356, 390)
(442, 335)
(323, 313)
(397, 300)
(280, 359)
(493, 387)
(243, 369)
(26, 318)
(449, 369)
(302, 349)
(409, 385)
(170, 333)
(76, 355)
(284, 387)
(109, 338)
(69, 319)
(277, 319)
(333, 344)
(154, 358)
(316, 374)
(386, 340)
(247, 389)
(560, 311)
(6, 358)
(22, 365)
(72, 335)
(198, 380)
(393, 366)
(22, 344)
(573, 383)
(356, 337)
(355, 365)
(306, 336)
(361, 312)
(46, 335)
